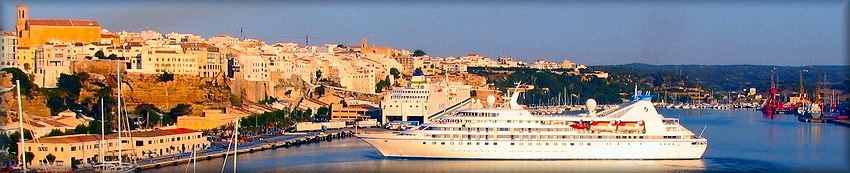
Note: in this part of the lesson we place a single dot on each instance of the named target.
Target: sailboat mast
(102, 132)
(21, 127)
(118, 67)
(235, 142)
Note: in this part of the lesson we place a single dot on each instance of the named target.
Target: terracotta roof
(4, 33)
(62, 22)
(165, 51)
(33, 123)
(108, 36)
(64, 118)
(55, 123)
(196, 45)
(69, 139)
(23, 47)
(181, 131)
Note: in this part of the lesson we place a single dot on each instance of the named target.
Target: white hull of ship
(597, 149)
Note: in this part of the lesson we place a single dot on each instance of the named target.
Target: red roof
(108, 36)
(62, 22)
(165, 51)
(204, 45)
(181, 131)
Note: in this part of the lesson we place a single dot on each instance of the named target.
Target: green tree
(320, 90)
(5, 141)
(94, 127)
(323, 113)
(150, 113)
(166, 77)
(29, 157)
(55, 100)
(308, 113)
(72, 84)
(55, 132)
(418, 52)
(235, 100)
(99, 54)
(26, 84)
(179, 110)
(81, 129)
(15, 137)
(395, 73)
(318, 74)
(50, 158)
(112, 57)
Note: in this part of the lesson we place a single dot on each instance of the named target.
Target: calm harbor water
(739, 141)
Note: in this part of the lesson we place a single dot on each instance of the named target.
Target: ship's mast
(802, 88)
(818, 98)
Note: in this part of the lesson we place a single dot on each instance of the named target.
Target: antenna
(241, 33)
(306, 38)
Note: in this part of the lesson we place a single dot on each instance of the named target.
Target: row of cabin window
(478, 129)
(555, 137)
(544, 122)
(554, 143)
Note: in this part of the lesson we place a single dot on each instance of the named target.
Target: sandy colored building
(138, 144)
(26, 58)
(157, 60)
(210, 60)
(210, 119)
(386, 51)
(33, 32)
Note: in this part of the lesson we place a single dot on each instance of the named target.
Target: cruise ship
(632, 130)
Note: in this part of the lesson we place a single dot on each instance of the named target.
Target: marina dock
(845, 123)
(251, 147)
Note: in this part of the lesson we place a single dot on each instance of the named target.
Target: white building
(50, 62)
(254, 68)
(223, 40)
(8, 46)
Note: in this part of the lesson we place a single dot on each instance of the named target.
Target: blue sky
(593, 33)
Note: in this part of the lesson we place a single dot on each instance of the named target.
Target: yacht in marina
(633, 130)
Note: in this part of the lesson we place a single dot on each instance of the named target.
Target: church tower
(364, 43)
(22, 16)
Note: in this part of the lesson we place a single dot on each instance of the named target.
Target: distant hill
(733, 77)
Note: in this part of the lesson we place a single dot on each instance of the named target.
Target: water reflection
(739, 141)
(506, 166)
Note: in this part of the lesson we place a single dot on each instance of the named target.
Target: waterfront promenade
(276, 142)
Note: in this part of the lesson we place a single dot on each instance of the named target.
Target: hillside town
(219, 79)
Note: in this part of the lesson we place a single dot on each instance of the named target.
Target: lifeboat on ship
(630, 126)
(609, 126)
(579, 125)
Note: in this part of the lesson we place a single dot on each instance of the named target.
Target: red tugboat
(772, 105)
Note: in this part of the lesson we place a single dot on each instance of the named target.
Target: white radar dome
(490, 100)
(590, 104)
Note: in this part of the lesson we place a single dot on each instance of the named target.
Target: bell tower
(364, 43)
(22, 16)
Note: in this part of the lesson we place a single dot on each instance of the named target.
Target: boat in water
(633, 130)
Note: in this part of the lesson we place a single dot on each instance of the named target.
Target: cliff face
(198, 92)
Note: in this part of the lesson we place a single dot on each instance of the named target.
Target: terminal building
(423, 101)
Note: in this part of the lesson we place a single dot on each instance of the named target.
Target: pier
(250, 147)
(845, 123)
